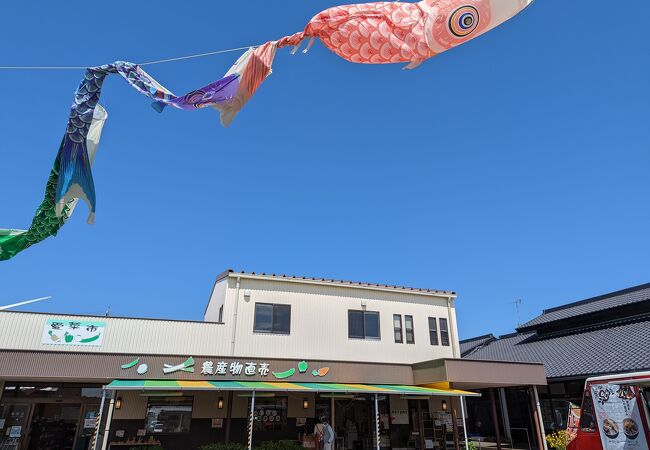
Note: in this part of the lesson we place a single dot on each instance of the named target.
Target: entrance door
(423, 435)
(54, 426)
(86, 429)
(13, 425)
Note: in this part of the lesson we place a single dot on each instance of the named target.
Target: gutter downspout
(234, 319)
(452, 329)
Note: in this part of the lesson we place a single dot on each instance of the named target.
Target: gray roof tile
(591, 305)
(620, 347)
(467, 345)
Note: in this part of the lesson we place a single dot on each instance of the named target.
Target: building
(273, 354)
(602, 335)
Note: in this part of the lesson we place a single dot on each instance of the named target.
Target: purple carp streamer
(71, 176)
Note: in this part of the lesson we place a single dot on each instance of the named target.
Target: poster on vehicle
(572, 422)
(73, 332)
(618, 417)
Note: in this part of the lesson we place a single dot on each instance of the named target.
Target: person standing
(328, 435)
(319, 433)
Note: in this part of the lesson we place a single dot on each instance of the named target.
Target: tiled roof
(620, 347)
(591, 305)
(333, 281)
(467, 345)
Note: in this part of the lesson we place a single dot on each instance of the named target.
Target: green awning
(262, 386)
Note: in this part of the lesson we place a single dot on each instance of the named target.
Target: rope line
(148, 63)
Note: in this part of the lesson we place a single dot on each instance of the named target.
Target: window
(169, 415)
(220, 320)
(408, 325)
(270, 318)
(270, 414)
(363, 324)
(587, 422)
(397, 327)
(433, 331)
(444, 332)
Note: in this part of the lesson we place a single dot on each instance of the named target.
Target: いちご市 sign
(73, 332)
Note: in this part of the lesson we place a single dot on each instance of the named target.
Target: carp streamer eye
(463, 21)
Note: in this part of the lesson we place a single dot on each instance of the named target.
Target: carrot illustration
(320, 372)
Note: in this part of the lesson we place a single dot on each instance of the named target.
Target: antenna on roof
(108, 311)
(517, 304)
(26, 302)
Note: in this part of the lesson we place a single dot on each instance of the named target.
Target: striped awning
(261, 386)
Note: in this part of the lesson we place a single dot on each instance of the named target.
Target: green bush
(223, 446)
(279, 445)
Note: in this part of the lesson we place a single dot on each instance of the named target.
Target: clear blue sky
(515, 166)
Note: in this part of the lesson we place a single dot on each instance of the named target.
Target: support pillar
(420, 424)
(109, 417)
(537, 416)
(495, 419)
(250, 423)
(462, 411)
(228, 417)
(98, 424)
(504, 414)
(377, 437)
(454, 419)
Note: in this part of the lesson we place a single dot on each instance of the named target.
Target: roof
(591, 305)
(467, 345)
(284, 277)
(622, 346)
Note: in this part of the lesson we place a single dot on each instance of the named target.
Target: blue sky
(515, 166)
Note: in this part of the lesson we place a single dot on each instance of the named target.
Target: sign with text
(618, 417)
(73, 332)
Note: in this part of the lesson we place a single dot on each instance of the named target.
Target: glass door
(13, 425)
(86, 428)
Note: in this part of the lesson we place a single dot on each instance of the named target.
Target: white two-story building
(273, 355)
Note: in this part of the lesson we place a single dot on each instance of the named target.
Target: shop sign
(90, 423)
(399, 416)
(618, 417)
(217, 423)
(239, 369)
(73, 332)
(15, 431)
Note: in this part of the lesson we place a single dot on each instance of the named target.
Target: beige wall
(295, 407)
(134, 406)
(319, 322)
(206, 405)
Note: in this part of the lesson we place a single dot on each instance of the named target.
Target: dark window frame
(273, 316)
(433, 332)
(363, 325)
(444, 331)
(406, 330)
(398, 330)
(170, 401)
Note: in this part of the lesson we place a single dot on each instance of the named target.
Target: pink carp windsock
(377, 33)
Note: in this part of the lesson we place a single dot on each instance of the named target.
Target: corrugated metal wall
(23, 331)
